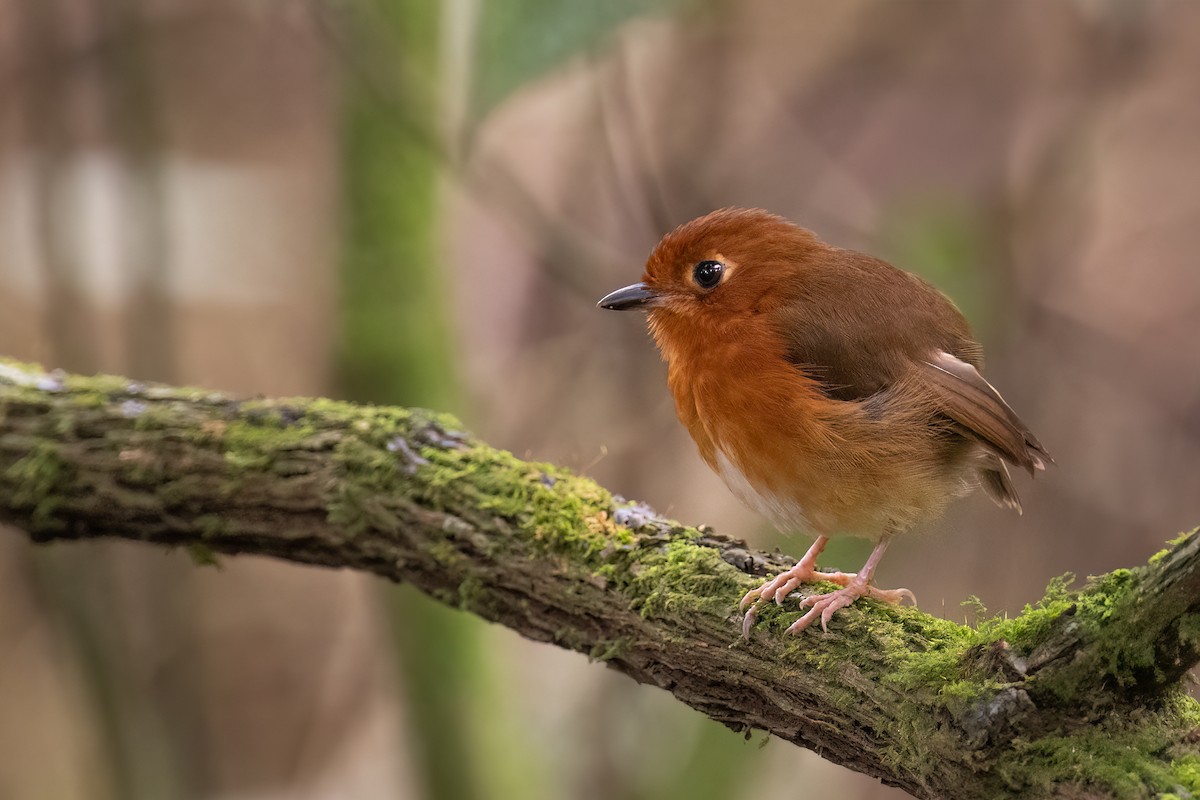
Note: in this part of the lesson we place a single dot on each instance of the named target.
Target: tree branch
(1080, 695)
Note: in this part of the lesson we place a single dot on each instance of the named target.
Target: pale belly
(784, 512)
(866, 504)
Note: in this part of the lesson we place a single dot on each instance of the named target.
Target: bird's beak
(634, 296)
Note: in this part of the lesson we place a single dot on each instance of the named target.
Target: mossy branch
(1078, 696)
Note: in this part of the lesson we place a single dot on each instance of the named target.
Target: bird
(831, 391)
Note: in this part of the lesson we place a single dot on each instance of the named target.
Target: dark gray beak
(634, 296)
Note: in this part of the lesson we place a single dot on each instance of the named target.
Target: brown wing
(857, 324)
(860, 326)
(963, 395)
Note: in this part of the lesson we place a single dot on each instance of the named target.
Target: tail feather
(997, 483)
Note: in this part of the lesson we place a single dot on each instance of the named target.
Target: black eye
(707, 274)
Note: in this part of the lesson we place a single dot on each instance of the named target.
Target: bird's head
(728, 265)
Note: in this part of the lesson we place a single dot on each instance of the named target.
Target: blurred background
(417, 202)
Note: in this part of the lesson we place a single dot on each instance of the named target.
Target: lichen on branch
(1080, 693)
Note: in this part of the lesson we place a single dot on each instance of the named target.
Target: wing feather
(962, 394)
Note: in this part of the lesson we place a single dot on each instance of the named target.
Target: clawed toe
(751, 597)
(821, 606)
(778, 587)
(893, 596)
(824, 606)
(787, 588)
(748, 622)
(782, 585)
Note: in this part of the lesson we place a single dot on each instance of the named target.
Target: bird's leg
(805, 571)
(824, 605)
(784, 583)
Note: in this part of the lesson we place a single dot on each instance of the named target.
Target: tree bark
(1081, 695)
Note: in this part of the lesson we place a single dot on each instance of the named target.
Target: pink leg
(825, 605)
(785, 583)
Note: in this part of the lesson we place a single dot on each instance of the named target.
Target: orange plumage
(830, 391)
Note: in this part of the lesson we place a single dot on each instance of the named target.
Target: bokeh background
(420, 202)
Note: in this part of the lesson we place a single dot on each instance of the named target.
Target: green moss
(560, 512)
(156, 416)
(957, 682)
(177, 492)
(321, 409)
(443, 553)
(550, 508)
(104, 386)
(1184, 707)
(553, 508)
(212, 526)
(682, 578)
(371, 477)
(470, 591)
(941, 664)
(356, 509)
(1189, 628)
(39, 480)
(28, 367)
(1186, 771)
(202, 555)
(243, 461)
(256, 440)
(1125, 653)
(91, 399)
(1183, 537)
(1030, 627)
(265, 434)
(1121, 755)
(606, 650)
(1172, 544)
(65, 426)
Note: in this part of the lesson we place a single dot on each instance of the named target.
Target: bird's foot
(784, 584)
(826, 605)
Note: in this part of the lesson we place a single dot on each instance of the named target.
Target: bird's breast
(753, 426)
(801, 459)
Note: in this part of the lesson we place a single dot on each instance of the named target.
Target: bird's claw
(748, 622)
(785, 583)
(779, 587)
(824, 606)
(893, 596)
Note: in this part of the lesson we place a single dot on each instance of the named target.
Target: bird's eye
(707, 274)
